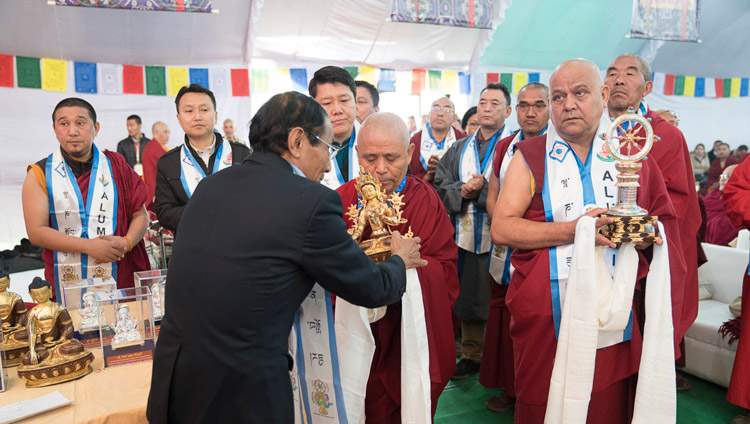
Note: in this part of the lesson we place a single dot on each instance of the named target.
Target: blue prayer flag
(199, 76)
(85, 74)
(387, 80)
(743, 87)
(464, 83)
(700, 87)
(534, 77)
(299, 79)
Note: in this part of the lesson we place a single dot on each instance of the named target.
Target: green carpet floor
(463, 402)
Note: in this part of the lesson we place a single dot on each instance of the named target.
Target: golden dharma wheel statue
(628, 146)
(377, 211)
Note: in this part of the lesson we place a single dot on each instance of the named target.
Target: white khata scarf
(429, 146)
(357, 346)
(191, 172)
(70, 215)
(473, 226)
(334, 179)
(597, 305)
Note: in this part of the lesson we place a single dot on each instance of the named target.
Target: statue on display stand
(90, 314)
(126, 329)
(157, 299)
(13, 317)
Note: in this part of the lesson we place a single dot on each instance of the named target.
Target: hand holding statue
(408, 250)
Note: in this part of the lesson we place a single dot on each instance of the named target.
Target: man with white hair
(552, 182)
(384, 151)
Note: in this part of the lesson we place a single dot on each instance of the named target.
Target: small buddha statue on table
(90, 313)
(126, 329)
(157, 298)
(54, 356)
(377, 211)
(13, 317)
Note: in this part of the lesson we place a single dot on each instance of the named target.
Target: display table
(116, 394)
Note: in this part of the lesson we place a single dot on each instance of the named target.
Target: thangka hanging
(456, 13)
(160, 5)
(671, 20)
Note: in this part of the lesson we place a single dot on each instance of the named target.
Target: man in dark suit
(204, 152)
(253, 241)
(132, 146)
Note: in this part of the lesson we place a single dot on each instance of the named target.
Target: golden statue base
(635, 229)
(41, 376)
(14, 355)
(377, 249)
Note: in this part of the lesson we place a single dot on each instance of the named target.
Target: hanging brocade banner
(455, 13)
(670, 20)
(203, 6)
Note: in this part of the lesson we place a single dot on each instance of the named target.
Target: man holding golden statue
(556, 188)
(415, 334)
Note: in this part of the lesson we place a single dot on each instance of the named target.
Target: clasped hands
(105, 249)
(472, 188)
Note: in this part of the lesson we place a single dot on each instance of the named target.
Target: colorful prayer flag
(353, 71)
(299, 79)
(199, 76)
(727, 87)
(743, 87)
(54, 74)
(534, 77)
(735, 88)
(700, 84)
(132, 79)
(507, 80)
(156, 84)
(220, 82)
(710, 88)
(178, 78)
(679, 85)
(492, 77)
(110, 78)
(367, 73)
(436, 80)
(240, 83)
(387, 80)
(450, 82)
(260, 80)
(519, 80)
(689, 90)
(6, 70)
(417, 80)
(28, 71)
(668, 85)
(464, 82)
(85, 76)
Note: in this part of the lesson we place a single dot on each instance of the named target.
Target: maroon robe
(737, 205)
(151, 155)
(428, 220)
(714, 172)
(719, 228)
(530, 302)
(496, 371)
(416, 164)
(131, 195)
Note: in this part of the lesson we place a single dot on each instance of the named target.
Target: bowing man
(84, 206)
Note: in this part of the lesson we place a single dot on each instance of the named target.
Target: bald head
(160, 132)
(383, 148)
(577, 99)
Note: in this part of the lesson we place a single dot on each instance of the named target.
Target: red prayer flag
(6, 70)
(492, 77)
(669, 85)
(417, 80)
(240, 83)
(719, 82)
(132, 79)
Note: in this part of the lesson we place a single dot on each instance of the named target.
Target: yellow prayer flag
(279, 80)
(55, 75)
(450, 82)
(178, 78)
(367, 73)
(689, 89)
(519, 80)
(735, 91)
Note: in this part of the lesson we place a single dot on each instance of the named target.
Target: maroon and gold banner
(160, 5)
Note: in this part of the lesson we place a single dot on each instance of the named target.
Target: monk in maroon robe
(439, 130)
(151, 155)
(383, 152)
(75, 127)
(577, 98)
(737, 205)
(723, 159)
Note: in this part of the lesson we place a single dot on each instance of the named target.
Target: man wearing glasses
(434, 140)
(497, 368)
(461, 182)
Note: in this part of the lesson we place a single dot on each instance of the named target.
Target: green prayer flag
(727, 87)
(156, 82)
(260, 80)
(507, 80)
(436, 80)
(353, 70)
(679, 85)
(29, 72)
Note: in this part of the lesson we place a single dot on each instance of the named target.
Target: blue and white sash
(473, 226)
(571, 188)
(191, 172)
(429, 146)
(69, 215)
(334, 179)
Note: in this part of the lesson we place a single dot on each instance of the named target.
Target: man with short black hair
(204, 152)
(368, 100)
(334, 88)
(434, 139)
(132, 146)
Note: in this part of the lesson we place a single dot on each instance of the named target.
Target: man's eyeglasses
(539, 107)
(445, 109)
(332, 149)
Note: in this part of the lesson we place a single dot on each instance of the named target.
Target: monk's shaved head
(586, 67)
(383, 148)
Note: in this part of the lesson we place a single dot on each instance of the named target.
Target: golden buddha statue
(54, 356)
(13, 317)
(377, 211)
